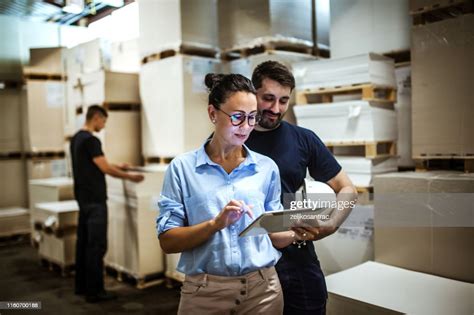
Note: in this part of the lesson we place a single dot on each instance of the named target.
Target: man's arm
(346, 195)
(114, 170)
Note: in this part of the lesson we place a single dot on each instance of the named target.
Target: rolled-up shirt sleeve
(172, 212)
(272, 200)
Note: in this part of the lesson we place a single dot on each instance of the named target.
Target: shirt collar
(202, 158)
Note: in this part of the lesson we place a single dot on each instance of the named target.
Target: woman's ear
(211, 110)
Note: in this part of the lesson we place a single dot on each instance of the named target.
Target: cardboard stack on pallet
(172, 75)
(442, 76)
(46, 190)
(133, 247)
(95, 80)
(348, 103)
(56, 223)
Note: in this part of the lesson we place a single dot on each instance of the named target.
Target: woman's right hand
(231, 213)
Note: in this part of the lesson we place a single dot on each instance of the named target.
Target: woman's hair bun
(213, 79)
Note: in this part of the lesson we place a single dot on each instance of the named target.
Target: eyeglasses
(238, 119)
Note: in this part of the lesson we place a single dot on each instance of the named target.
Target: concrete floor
(23, 278)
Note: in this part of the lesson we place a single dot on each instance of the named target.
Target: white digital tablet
(283, 220)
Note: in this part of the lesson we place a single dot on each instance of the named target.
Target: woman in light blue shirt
(210, 195)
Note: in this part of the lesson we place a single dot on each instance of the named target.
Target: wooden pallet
(377, 149)
(44, 76)
(122, 106)
(367, 92)
(182, 50)
(11, 155)
(138, 282)
(45, 154)
(444, 162)
(242, 52)
(64, 270)
(158, 160)
(14, 238)
(441, 11)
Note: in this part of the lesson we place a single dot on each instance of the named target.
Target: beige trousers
(258, 292)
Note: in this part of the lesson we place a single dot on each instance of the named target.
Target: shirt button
(242, 292)
(242, 281)
(237, 302)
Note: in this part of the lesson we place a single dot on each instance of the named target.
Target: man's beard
(266, 123)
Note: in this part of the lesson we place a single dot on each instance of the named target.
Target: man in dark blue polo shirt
(296, 150)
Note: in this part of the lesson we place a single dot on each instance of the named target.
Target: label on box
(55, 94)
(198, 69)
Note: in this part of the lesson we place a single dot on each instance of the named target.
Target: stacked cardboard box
(348, 123)
(174, 114)
(10, 120)
(133, 246)
(57, 236)
(246, 23)
(363, 26)
(166, 25)
(47, 190)
(13, 182)
(14, 221)
(424, 221)
(443, 76)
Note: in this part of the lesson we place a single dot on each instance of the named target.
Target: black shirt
(89, 181)
(295, 149)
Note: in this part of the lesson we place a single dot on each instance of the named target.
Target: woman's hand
(231, 213)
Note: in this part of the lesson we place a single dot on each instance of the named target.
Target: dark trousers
(304, 289)
(91, 247)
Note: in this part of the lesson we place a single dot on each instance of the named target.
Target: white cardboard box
(38, 168)
(133, 244)
(361, 170)
(10, 120)
(351, 245)
(43, 112)
(375, 288)
(249, 23)
(56, 216)
(362, 26)
(109, 87)
(351, 121)
(13, 190)
(168, 24)
(14, 221)
(46, 61)
(174, 104)
(356, 69)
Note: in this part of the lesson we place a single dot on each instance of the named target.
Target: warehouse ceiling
(66, 12)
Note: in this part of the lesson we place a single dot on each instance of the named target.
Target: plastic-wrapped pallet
(362, 26)
(174, 104)
(247, 23)
(133, 245)
(168, 24)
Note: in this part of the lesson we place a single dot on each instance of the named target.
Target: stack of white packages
(133, 245)
(348, 121)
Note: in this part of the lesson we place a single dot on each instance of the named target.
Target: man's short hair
(275, 71)
(95, 109)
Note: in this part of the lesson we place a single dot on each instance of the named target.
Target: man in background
(89, 167)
